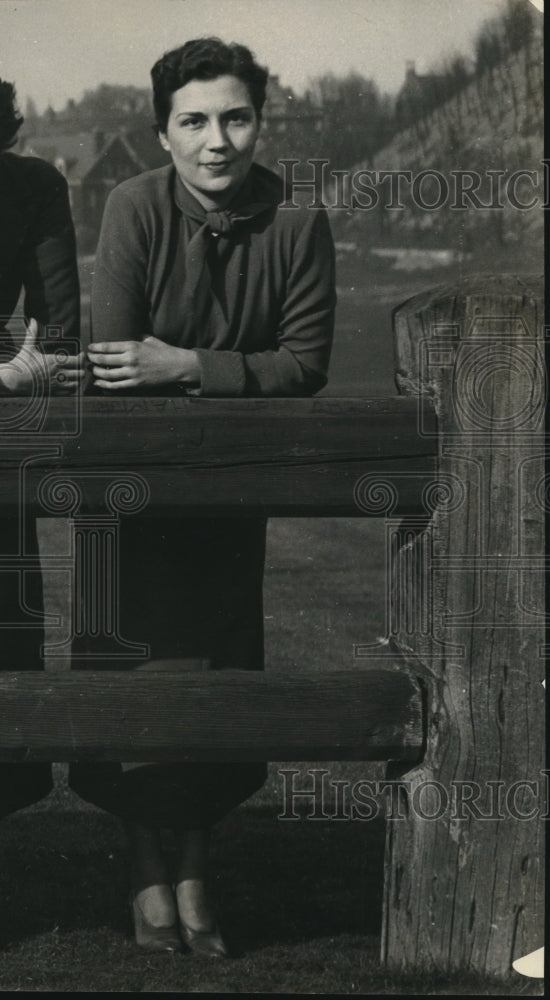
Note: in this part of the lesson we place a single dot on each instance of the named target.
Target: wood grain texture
(279, 457)
(465, 891)
(373, 714)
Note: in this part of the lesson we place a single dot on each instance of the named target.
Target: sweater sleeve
(298, 365)
(119, 306)
(50, 273)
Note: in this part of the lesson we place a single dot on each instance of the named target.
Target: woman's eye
(190, 122)
(239, 118)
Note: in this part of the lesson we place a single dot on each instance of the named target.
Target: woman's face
(211, 135)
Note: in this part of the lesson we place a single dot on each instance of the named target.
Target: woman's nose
(216, 136)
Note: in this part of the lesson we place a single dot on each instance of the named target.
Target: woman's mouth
(217, 167)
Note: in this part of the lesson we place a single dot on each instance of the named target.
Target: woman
(37, 256)
(203, 285)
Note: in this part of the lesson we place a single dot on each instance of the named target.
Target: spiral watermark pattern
(479, 372)
(59, 495)
(128, 495)
(375, 495)
(445, 494)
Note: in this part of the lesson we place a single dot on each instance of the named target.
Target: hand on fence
(128, 364)
(33, 370)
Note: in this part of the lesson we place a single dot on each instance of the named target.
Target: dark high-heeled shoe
(205, 942)
(150, 937)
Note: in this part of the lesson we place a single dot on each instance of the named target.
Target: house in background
(283, 109)
(93, 164)
(416, 94)
(421, 93)
(290, 126)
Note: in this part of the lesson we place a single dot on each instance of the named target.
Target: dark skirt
(21, 639)
(189, 589)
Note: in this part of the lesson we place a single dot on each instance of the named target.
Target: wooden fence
(453, 700)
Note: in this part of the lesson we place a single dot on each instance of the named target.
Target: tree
(518, 24)
(500, 36)
(31, 112)
(456, 73)
(31, 118)
(356, 118)
(50, 115)
(109, 107)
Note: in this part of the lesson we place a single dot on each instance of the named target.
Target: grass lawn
(301, 900)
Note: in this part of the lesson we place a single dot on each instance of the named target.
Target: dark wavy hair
(10, 120)
(205, 59)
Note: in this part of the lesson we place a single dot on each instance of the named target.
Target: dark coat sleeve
(119, 304)
(49, 266)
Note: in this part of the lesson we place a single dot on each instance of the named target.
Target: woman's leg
(193, 903)
(198, 925)
(149, 874)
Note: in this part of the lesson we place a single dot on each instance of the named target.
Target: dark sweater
(271, 321)
(37, 245)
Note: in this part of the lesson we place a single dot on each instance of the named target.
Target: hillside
(492, 128)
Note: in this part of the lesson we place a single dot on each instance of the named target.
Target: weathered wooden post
(464, 860)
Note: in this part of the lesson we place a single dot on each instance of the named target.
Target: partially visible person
(38, 257)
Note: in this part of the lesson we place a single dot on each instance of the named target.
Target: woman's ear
(163, 141)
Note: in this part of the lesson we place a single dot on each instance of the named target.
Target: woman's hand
(128, 364)
(33, 371)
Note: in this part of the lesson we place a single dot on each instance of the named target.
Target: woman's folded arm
(299, 364)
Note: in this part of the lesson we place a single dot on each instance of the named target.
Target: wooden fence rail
(373, 714)
(283, 457)
(454, 700)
